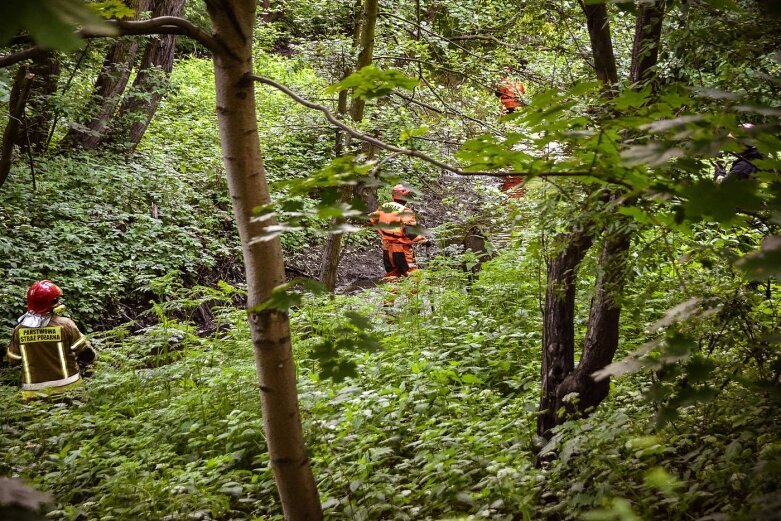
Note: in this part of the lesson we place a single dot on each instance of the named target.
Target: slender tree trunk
(598, 25)
(364, 39)
(108, 90)
(329, 264)
(648, 33)
(558, 334)
(16, 102)
(232, 22)
(151, 82)
(46, 71)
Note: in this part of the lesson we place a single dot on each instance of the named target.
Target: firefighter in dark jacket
(742, 167)
(50, 348)
(395, 223)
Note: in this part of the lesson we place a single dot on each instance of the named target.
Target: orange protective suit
(392, 220)
(510, 94)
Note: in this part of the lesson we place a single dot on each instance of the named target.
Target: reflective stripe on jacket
(44, 353)
(391, 220)
(511, 93)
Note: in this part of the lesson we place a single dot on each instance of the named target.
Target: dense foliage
(419, 399)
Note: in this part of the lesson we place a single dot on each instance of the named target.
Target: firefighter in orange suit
(50, 348)
(510, 92)
(394, 222)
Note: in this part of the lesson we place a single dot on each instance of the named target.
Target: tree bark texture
(363, 38)
(16, 103)
(648, 33)
(46, 71)
(107, 93)
(232, 22)
(603, 327)
(602, 335)
(598, 25)
(140, 104)
(558, 334)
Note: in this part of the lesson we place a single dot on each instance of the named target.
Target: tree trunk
(601, 43)
(603, 325)
(16, 102)
(559, 377)
(558, 334)
(363, 38)
(558, 337)
(332, 249)
(46, 70)
(645, 50)
(151, 82)
(233, 22)
(603, 328)
(107, 93)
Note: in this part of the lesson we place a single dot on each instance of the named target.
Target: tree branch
(159, 25)
(408, 152)
(19, 93)
(27, 54)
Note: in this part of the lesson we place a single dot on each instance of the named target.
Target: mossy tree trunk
(107, 93)
(38, 119)
(141, 102)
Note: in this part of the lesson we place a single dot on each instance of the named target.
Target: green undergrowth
(102, 228)
(437, 421)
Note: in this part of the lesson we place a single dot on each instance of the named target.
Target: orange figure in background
(510, 92)
(392, 220)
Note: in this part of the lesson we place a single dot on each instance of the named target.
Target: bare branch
(27, 54)
(449, 110)
(403, 151)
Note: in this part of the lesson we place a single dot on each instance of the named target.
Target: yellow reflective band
(62, 360)
(13, 356)
(79, 342)
(32, 335)
(25, 364)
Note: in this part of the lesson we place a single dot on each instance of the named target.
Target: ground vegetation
(188, 238)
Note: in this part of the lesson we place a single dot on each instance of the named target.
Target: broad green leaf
(763, 263)
(50, 23)
(371, 82)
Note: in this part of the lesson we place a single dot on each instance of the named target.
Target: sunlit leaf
(371, 82)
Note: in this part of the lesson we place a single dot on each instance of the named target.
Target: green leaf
(50, 23)
(371, 82)
(720, 201)
(113, 9)
(282, 298)
(632, 98)
(763, 263)
(658, 478)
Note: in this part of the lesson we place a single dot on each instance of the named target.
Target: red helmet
(42, 297)
(400, 192)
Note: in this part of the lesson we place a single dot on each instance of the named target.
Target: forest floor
(448, 208)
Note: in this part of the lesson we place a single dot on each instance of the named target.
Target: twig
(29, 151)
(58, 111)
(448, 109)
